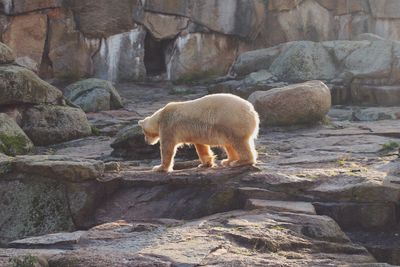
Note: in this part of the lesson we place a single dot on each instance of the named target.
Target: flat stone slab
(289, 206)
(51, 240)
(59, 167)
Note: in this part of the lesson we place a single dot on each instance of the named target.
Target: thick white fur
(213, 120)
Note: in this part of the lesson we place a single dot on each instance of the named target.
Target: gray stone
(303, 61)
(47, 125)
(130, 142)
(94, 95)
(342, 49)
(6, 54)
(21, 86)
(295, 104)
(370, 95)
(13, 141)
(256, 60)
(375, 114)
(58, 239)
(373, 61)
(284, 206)
(63, 168)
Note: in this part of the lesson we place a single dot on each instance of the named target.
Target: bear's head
(150, 130)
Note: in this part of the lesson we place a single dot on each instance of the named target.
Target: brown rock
(200, 56)
(70, 52)
(164, 26)
(282, 5)
(174, 7)
(294, 104)
(25, 6)
(102, 18)
(26, 36)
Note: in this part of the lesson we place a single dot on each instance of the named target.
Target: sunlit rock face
(201, 56)
(132, 40)
(120, 57)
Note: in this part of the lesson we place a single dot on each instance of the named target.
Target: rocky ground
(322, 195)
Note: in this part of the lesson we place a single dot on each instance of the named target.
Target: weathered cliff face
(129, 40)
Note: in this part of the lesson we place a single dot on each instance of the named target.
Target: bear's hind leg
(246, 151)
(206, 156)
(168, 151)
(232, 156)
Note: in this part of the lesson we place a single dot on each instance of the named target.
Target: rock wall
(129, 40)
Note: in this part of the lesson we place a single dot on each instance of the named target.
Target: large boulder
(13, 141)
(6, 54)
(303, 103)
(174, 7)
(94, 95)
(26, 36)
(102, 18)
(21, 86)
(303, 61)
(46, 124)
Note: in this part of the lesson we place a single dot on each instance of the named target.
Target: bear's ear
(141, 123)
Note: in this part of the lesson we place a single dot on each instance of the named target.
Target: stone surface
(26, 36)
(47, 125)
(13, 141)
(102, 18)
(295, 104)
(21, 86)
(121, 57)
(201, 56)
(93, 95)
(6, 54)
(341, 165)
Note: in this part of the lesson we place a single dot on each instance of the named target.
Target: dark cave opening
(155, 52)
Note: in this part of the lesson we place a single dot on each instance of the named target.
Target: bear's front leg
(168, 150)
(206, 156)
